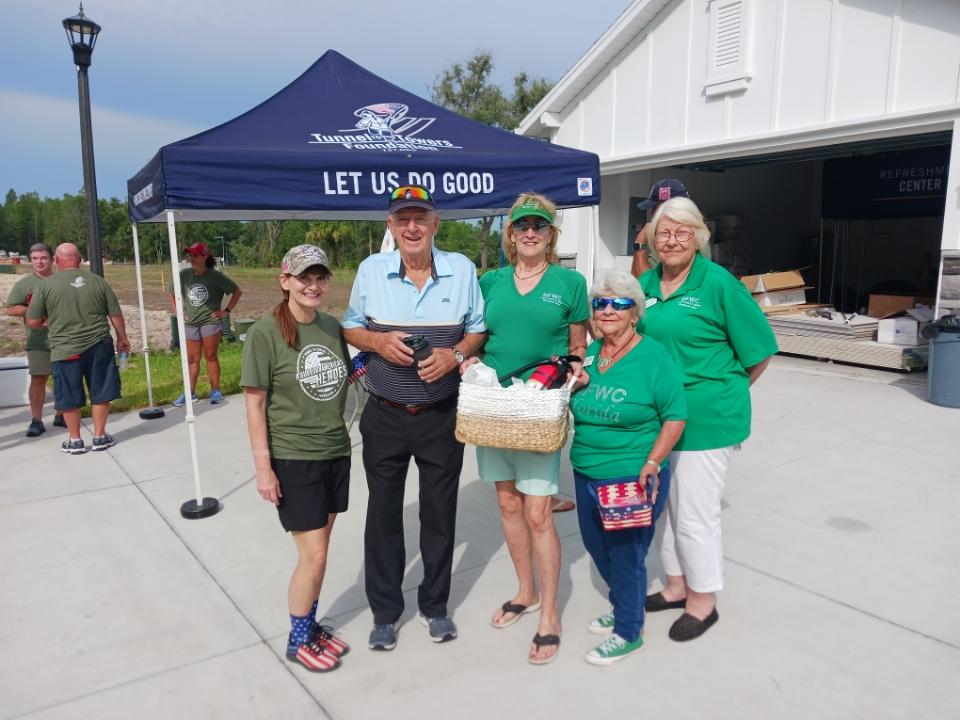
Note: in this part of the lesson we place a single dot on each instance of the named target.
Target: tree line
(26, 218)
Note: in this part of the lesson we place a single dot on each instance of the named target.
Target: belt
(412, 409)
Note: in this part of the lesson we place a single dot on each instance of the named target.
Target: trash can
(943, 367)
(242, 326)
(227, 332)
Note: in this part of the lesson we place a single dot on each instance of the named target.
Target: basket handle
(529, 366)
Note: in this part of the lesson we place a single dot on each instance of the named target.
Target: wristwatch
(458, 356)
(639, 246)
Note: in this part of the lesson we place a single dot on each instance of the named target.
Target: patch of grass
(168, 380)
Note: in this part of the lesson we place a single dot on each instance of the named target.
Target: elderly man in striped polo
(416, 290)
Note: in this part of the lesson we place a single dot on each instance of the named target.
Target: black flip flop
(517, 609)
(542, 641)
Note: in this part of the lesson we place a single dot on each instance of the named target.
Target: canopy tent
(332, 145)
(336, 141)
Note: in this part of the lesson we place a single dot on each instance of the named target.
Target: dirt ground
(260, 293)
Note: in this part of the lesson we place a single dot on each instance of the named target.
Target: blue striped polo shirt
(447, 307)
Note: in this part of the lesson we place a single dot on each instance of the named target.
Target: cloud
(40, 144)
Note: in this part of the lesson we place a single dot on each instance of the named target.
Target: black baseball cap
(662, 191)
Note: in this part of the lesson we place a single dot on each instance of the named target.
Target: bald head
(68, 256)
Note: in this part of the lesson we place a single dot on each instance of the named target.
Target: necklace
(603, 362)
(518, 276)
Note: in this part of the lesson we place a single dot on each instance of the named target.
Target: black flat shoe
(656, 603)
(689, 628)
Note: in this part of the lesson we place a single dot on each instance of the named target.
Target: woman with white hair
(722, 342)
(627, 419)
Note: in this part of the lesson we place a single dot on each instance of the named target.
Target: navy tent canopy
(336, 141)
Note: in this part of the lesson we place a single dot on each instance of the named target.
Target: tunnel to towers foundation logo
(384, 126)
(320, 373)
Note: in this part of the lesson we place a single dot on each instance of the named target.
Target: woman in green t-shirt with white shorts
(534, 309)
(294, 378)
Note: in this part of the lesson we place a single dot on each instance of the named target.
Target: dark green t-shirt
(714, 329)
(20, 295)
(620, 413)
(203, 294)
(525, 328)
(306, 389)
(76, 304)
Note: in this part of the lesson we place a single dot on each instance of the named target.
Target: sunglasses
(538, 226)
(410, 192)
(599, 303)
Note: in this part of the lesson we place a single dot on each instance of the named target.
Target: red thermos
(545, 376)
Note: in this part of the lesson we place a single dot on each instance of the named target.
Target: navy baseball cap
(662, 191)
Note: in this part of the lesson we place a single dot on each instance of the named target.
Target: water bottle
(420, 346)
(123, 361)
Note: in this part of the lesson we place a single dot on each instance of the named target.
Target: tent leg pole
(200, 506)
(150, 412)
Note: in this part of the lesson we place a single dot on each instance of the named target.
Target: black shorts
(312, 489)
(97, 366)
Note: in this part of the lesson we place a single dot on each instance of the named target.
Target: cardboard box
(777, 288)
(785, 280)
(792, 296)
(882, 306)
(904, 329)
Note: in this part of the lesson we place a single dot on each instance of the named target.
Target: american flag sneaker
(324, 636)
(314, 657)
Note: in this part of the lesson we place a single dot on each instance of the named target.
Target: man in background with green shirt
(74, 305)
(38, 351)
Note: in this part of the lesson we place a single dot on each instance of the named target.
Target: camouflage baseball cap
(301, 257)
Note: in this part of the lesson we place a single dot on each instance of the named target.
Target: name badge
(588, 361)
(650, 302)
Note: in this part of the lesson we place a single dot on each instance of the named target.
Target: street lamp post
(82, 35)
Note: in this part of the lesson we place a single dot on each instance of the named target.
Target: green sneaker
(601, 625)
(613, 649)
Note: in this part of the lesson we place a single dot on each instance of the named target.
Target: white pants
(692, 542)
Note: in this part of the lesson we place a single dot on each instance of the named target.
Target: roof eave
(628, 25)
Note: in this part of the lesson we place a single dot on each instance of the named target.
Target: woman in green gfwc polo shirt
(722, 342)
(294, 379)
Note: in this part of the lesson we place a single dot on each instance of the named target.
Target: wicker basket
(524, 418)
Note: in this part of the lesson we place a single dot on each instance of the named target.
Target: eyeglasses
(681, 236)
(540, 227)
(411, 192)
(618, 303)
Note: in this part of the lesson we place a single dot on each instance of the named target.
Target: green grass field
(168, 381)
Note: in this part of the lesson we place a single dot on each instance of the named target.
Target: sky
(164, 70)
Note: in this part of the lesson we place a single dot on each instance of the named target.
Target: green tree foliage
(466, 89)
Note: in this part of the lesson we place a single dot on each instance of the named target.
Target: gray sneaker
(441, 628)
(74, 447)
(383, 637)
(103, 442)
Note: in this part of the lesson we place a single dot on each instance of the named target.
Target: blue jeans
(620, 555)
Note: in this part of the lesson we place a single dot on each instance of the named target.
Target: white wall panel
(805, 54)
(751, 111)
(598, 114)
(569, 131)
(863, 58)
(929, 54)
(705, 115)
(630, 114)
(668, 100)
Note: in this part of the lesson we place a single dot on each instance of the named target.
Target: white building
(813, 132)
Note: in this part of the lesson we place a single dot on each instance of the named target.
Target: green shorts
(38, 362)
(535, 473)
